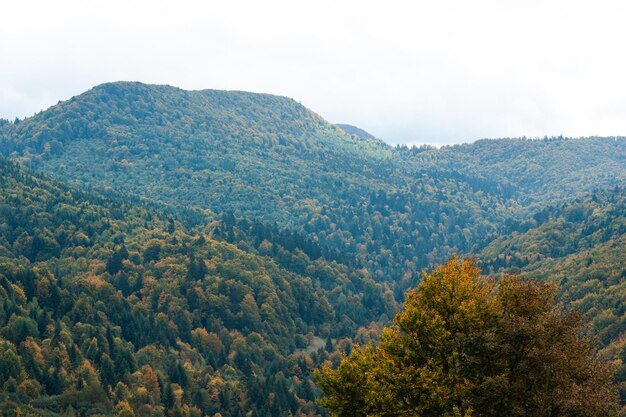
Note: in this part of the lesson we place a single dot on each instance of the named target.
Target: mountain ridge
(269, 158)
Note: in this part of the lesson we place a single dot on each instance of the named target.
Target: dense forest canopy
(102, 300)
(171, 252)
(393, 211)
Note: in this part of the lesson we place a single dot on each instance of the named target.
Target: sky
(412, 72)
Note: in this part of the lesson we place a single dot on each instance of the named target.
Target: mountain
(391, 211)
(541, 170)
(260, 157)
(356, 131)
(224, 150)
(579, 245)
(108, 303)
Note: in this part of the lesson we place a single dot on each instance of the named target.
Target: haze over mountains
(276, 231)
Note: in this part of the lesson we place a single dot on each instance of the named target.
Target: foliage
(108, 305)
(539, 171)
(579, 245)
(267, 158)
(461, 347)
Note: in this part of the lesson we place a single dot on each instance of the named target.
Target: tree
(540, 362)
(22, 327)
(10, 365)
(465, 346)
(197, 269)
(115, 262)
(124, 409)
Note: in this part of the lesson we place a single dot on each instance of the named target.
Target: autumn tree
(464, 346)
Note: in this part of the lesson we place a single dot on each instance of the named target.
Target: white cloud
(427, 72)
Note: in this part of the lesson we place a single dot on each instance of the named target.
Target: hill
(391, 211)
(540, 170)
(261, 157)
(106, 303)
(356, 131)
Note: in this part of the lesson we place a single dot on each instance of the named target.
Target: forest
(107, 303)
(186, 253)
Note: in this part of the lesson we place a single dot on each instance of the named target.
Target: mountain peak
(158, 111)
(357, 131)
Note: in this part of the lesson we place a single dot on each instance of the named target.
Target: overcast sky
(407, 71)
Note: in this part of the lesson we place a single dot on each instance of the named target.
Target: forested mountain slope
(392, 211)
(109, 304)
(356, 131)
(211, 148)
(540, 170)
(262, 157)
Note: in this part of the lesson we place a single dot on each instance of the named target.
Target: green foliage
(462, 348)
(10, 364)
(392, 211)
(536, 170)
(120, 307)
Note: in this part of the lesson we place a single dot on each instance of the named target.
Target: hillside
(111, 304)
(540, 170)
(168, 144)
(356, 131)
(391, 211)
(261, 157)
(579, 245)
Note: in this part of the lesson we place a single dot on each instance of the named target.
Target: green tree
(463, 347)
(10, 365)
(22, 327)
